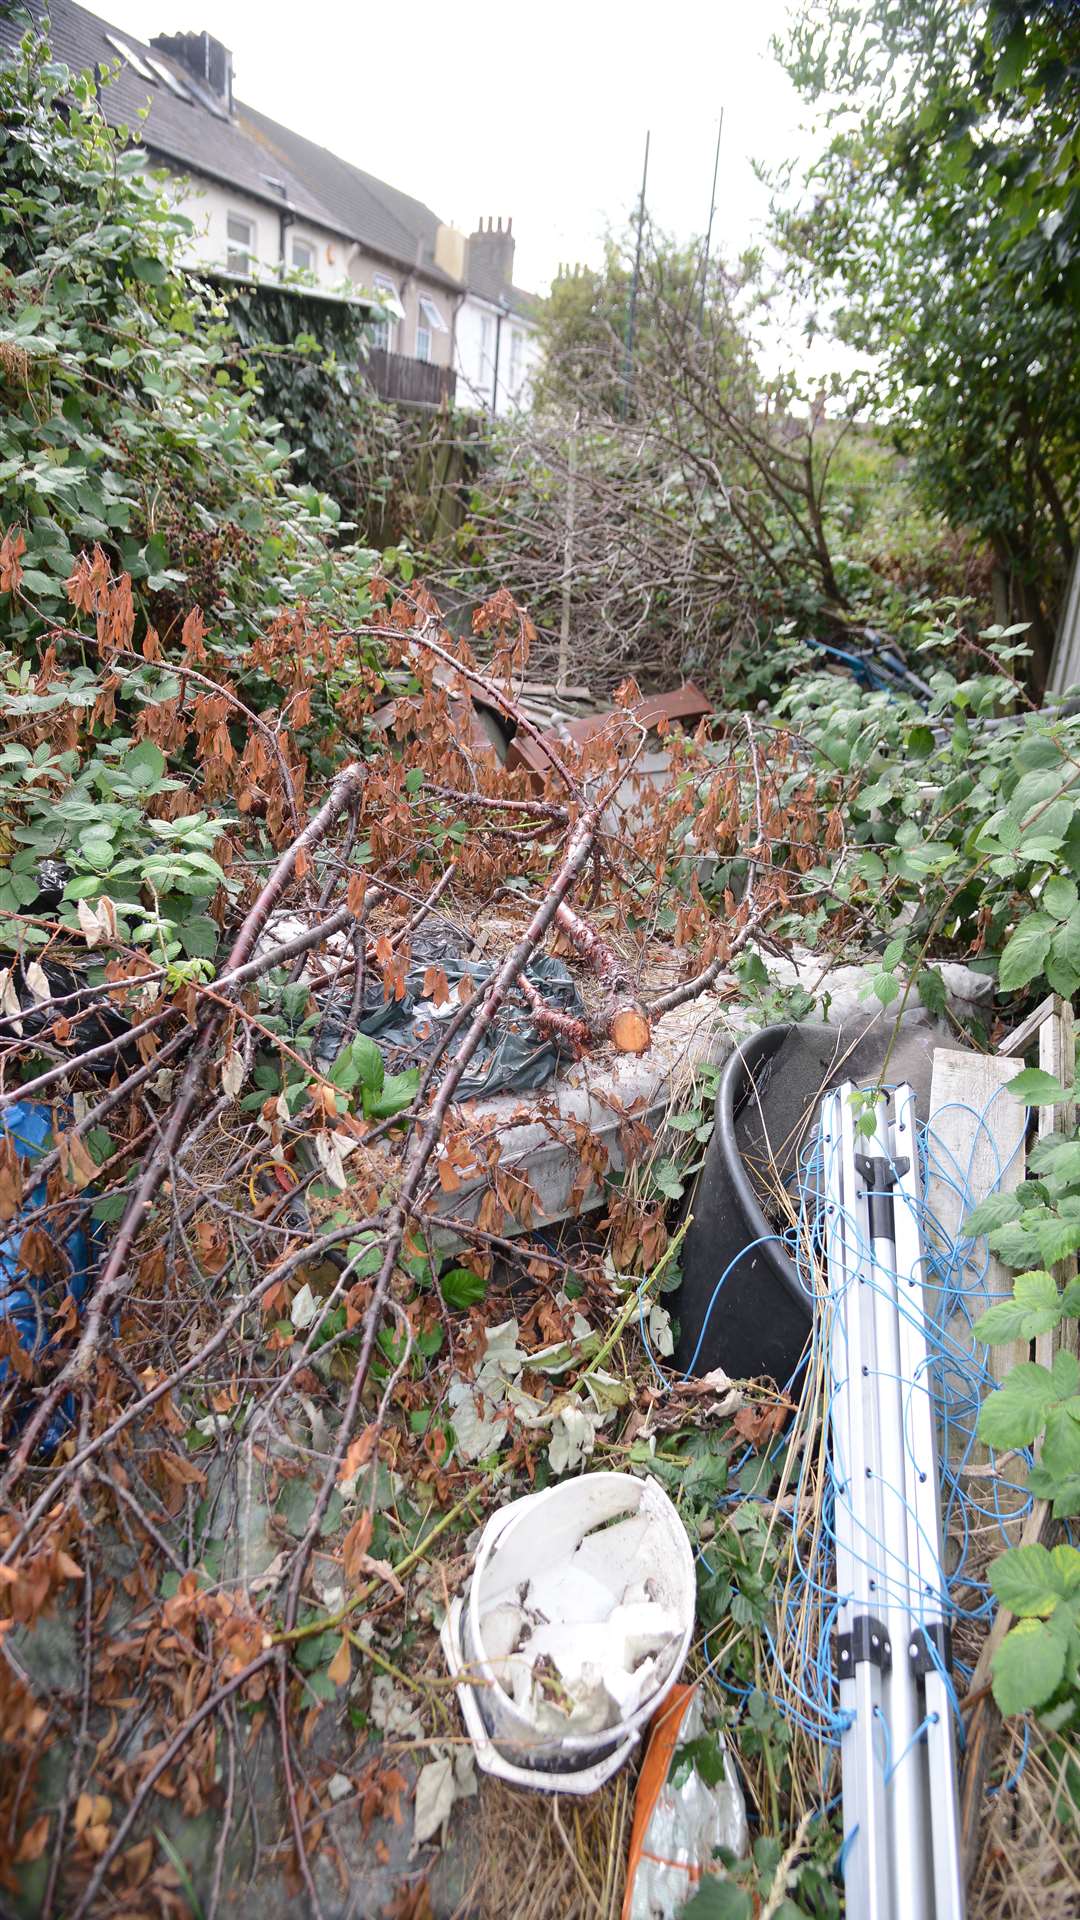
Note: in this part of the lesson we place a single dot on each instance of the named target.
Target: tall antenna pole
(708, 235)
(636, 278)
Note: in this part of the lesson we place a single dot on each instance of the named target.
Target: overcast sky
(539, 113)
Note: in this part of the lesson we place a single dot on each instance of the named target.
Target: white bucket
(534, 1539)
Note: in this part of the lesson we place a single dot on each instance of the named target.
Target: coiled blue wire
(955, 1271)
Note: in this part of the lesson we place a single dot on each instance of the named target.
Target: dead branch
(420, 1152)
(624, 1019)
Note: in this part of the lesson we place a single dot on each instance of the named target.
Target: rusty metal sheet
(686, 704)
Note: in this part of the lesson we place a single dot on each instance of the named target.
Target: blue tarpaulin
(25, 1297)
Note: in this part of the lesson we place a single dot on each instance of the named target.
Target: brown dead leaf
(358, 1453)
(355, 1545)
(75, 1163)
(340, 1668)
(32, 1844)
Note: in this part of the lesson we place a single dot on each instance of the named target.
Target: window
(428, 321)
(303, 254)
(487, 328)
(517, 346)
(241, 247)
(170, 79)
(134, 60)
(384, 332)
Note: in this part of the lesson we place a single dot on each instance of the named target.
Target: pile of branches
(225, 1177)
(661, 504)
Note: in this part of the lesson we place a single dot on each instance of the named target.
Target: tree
(938, 229)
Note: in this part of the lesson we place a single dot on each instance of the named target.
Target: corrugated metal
(686, 705)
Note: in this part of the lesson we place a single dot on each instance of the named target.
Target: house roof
(379, 216)
(248, 150)
(188, 131)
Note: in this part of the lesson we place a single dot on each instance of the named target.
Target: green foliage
(382, 1095)
(936, 233)
(960, 819)
(308, 356)
(127, 417)
(1038, 1663)
(462, 1288)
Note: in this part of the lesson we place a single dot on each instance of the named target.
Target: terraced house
(447, 320)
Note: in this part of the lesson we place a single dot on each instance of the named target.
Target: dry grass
(550, 1857)
(1029, 1864)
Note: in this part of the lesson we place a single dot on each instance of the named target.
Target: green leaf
(1059, 897)
(1035, 1307)
(145, 765)
(995, 1211)
(414, 779)
(1013, 1414)
(1028, 1666)
(1025, 954)
(462, 1288)
(1057, 1238)
(1059, 1454)
(199, 937)
(398, 1091)
(368, 1062)
(703, 1755)
(718, 1899)
(111, 1206)
(1038, 1089)
(151, 272)
(1031, 1580)
(930, 988)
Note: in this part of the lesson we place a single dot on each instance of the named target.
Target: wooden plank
(1057, 1055)
(977, 1148)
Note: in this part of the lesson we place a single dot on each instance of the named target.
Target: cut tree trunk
(623, 1020)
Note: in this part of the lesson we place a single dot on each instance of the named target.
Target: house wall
(474, 357)
(410, 285)
(338, 260)
(208, 205)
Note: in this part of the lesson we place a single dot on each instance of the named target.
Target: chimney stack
(490, 262)
(205, 59)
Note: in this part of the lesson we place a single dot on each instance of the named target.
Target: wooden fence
(408, 382)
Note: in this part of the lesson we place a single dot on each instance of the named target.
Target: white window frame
(517, 355)
(487, 328)
(240, 255)
(384, 331)
(311, 263)
(429, 321)
(134, 60)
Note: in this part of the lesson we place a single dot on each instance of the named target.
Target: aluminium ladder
(898, 1762)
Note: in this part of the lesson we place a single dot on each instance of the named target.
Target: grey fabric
(513, 1058)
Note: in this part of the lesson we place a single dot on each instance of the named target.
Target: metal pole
(906, 1777)
(901, 1822)
(928, 1647)
(863, 1646)
(708, 235)
(634, 282)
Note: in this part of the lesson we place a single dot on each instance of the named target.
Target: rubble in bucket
(574, 1629)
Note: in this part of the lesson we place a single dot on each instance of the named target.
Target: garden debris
(688, 1809)
(517, 1055)
(578, 1617)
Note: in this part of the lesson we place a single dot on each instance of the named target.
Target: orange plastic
(664, 1729)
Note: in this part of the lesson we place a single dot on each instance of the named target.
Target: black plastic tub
(760, 1318)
